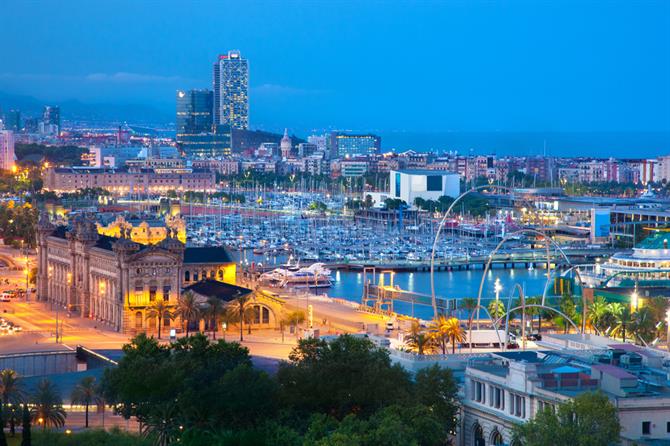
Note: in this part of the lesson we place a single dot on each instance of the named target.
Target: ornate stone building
(145, 231)
(116, 280)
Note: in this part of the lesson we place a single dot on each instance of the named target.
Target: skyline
(472, 66)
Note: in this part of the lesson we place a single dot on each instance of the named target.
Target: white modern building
(408, 185)
(6, 149)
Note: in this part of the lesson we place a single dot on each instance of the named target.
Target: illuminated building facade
(145, 232)
(116, 280)
(6, 150)
(231, 91)
(156, 181)
(345, 145)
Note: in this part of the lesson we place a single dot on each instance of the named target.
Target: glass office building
(347, 145)
(194, 112)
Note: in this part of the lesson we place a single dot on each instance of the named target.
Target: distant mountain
(73, 109)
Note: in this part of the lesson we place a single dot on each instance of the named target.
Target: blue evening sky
(422, 66)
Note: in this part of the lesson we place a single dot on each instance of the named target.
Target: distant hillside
(73, 109)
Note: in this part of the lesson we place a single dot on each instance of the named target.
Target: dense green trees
(198, 392)
(474, 204)
(55, 155)
(18, 222)
(588, 420)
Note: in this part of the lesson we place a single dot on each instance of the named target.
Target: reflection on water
(449, 284)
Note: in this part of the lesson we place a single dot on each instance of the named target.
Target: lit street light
(497, 287)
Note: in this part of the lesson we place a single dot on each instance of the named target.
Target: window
(478, 391)
(139, 290)
(517, 405)
(187, 276)
(266, 315)
(667, 427)
(166, 292)
(166, 319)
(646, 427)
(138, 319)
(434, 183)
(257, 314)
(152, 294)
(397, 185)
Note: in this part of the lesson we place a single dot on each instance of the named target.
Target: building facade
(124, 181)
(116, 280)
(408, 185)
(6, 150)
(503, 390)
(231, 90)
(344, 145)
(194, 112)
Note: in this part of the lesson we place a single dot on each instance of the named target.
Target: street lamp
(634, 300)
(497, 287)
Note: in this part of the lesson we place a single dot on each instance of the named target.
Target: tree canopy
(588, 420)
(343, 392)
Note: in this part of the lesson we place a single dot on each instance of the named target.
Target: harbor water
(449, 284)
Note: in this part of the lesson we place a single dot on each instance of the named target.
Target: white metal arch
(439, 230)
(503, 241)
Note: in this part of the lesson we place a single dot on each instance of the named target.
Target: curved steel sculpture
(503, 241)
(439, 230)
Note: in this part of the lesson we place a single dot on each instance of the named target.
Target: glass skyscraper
(196, 136)
(231, 91)
(194, 112)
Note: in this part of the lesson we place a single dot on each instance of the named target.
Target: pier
(534, 259)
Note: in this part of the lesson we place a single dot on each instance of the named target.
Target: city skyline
(472, 66)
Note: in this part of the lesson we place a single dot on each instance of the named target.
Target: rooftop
(207, 255)
(220, 290)
(425, 172)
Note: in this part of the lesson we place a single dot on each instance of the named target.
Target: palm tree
(496, 309)
(597, 314)
(249, 316)
(437, 330)
(11, 388)
(622, 318)
(11, 394)
(420, 340)
(47, 407)
(294, 319)
(643, 324)
(229, 317)
(159, 309)
(469, 304)
(659, 307)
(161, 424)
(86, 392)
(241, 304)
(214, 310)
(534, 311)
(187, 309)
(454, 332)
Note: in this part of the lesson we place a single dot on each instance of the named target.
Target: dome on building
(285, 145)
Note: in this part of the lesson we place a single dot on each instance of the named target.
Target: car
(534, 337)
